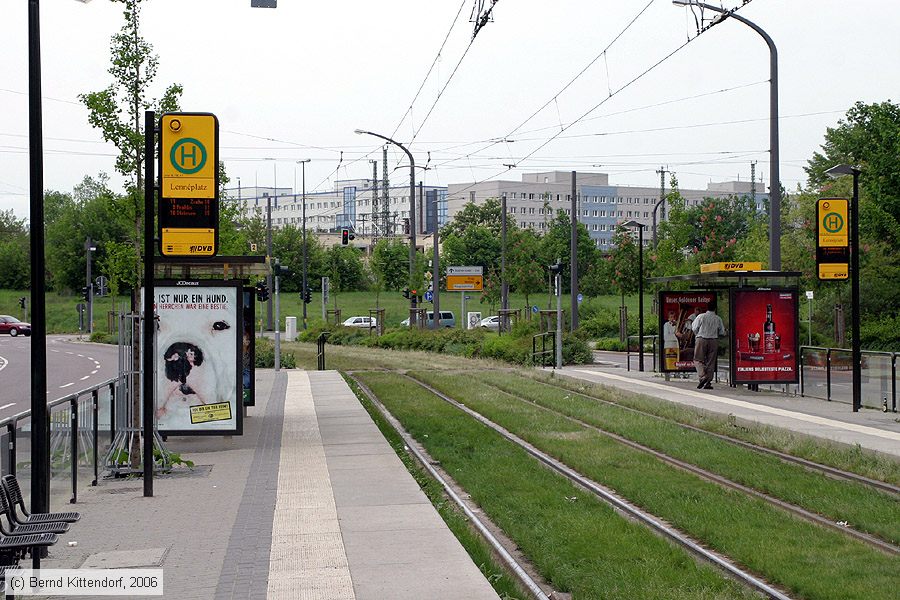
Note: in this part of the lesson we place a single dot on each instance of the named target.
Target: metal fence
(81, 427)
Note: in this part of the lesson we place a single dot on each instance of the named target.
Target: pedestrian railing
(648, 352)
(320, 353)
(544, 340)
(827, 373)
(80, 426)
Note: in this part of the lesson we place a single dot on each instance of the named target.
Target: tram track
(828, 470)
(712, 477)
(620, 504)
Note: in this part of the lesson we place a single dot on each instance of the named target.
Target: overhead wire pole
(412, 214)
(573, 251)
(774, 171)
(661, 202)
(305, 250)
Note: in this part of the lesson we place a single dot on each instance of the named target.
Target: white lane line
(891, 435)
(66, 385)
(91, 358)
(94, 372)
(80, 355)
(7, 405)
(57, 351)
(67, 352)
(85, 377)
(3, 363)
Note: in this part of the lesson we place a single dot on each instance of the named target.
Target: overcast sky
(294, 82)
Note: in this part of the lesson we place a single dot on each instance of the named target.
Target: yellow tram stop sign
(189, 184)
(832, 238)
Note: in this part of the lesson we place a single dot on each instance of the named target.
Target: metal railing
(320, 353)
(647, 353)
(543, 353)
(76, 438)
(827, 373)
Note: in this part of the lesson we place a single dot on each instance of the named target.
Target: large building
(538, 197)
(350, 205)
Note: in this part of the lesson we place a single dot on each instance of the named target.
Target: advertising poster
(765, 346)
(677, 311)
(248, 348)
(198, 358)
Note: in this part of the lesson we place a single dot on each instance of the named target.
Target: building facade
(535, 201)
(354, 204)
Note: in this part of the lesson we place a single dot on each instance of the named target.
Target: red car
(13, 326)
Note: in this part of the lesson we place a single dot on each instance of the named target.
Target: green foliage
(477, 245)
(485, 215)
(556, 244)
(265, 355)
(173, 459)
(287, 246)
(15, 266)
(882, 333)
(525, 272)
(390, 263)
(345, 267)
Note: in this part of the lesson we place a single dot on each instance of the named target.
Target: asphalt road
(71, 366)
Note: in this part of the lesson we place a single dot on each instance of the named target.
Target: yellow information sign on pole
(832, 238)
(189, 144)
(189, 184)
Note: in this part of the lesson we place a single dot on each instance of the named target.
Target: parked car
(448, 320)
(13, 326)
(363, 322)
(492, 323)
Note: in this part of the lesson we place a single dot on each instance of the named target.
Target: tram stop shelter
(762, 321)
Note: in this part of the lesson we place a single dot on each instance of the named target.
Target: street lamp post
(305, 259)
(640, 227)
(775, 175)
(855, 347)
(412, 213)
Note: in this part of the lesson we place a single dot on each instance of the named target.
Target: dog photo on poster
(198, 356)
(765, 347)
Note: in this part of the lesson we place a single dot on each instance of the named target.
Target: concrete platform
(870, 429)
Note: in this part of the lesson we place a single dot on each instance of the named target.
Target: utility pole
(88, 249)
(662, 199)
(305, 250)
(573, 250)
(435, 266)
(421, 207)
(269, 258)
(504, 285)
(385, 193)
(375, 212)
(753, 184)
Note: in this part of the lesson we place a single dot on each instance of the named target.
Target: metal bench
(13, 493)
(18, 529)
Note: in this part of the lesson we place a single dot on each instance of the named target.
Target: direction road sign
(535, 309)
(429, 296)
(465, 270)
(580, 298)
(465, 283)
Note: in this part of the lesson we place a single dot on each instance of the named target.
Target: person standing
(670, 342)
(707, 328)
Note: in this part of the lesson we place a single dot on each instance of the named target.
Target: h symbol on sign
(192, 154)
(833, 222)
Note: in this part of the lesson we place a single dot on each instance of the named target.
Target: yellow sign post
(465, 283)
(832, 238)
(189, 184)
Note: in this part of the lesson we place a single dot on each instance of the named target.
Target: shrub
(880, 334)
(265, 355)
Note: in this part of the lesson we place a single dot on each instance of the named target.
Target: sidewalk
(870, 429)
(311, 502)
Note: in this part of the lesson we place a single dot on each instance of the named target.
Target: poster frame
(661, 351)
(187, 284)
(249, 308)
(735, 379)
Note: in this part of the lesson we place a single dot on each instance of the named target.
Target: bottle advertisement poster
(199, 358)
(765, 346)
(677, 311)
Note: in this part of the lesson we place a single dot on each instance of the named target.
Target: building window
(531, 210)
(522, 210)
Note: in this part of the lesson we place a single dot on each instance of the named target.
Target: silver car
(492, 323)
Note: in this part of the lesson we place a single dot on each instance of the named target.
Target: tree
(346, 269)
(390, 263)
(287, 247)
(557, 244)
(15, 266)
(477, 245)
(477, 215)
(622, 262)
(524, 269)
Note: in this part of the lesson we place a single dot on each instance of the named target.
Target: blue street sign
(429, 296)
(579, 297)
(535, 309)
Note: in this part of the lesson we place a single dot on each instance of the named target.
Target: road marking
(94, 372)
(891, 435)
(7, 405)
(3, 363)
(57, 351)
(70, 352)
(66, 385)
(91, 358)
(85, 377)
(80, 355)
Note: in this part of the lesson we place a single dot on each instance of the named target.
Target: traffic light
(556, 269)
(85, 292)
(406, 293)
(22, 301)
(281, 271)
(262, 291)
(306, 296)
(413, 294)
(345, 237)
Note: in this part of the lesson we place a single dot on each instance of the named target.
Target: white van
(448, 320)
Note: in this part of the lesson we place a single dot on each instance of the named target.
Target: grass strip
(575, 541)
(806, 559)
(480, 551)
(862, 507)
(854, 459)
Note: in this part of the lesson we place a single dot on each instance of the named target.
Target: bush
(880, 334)
(265, 355)
(99, 337)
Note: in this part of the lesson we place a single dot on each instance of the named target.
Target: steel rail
(811, 465)
(616, 502)
(718, 479)
(423, 460)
